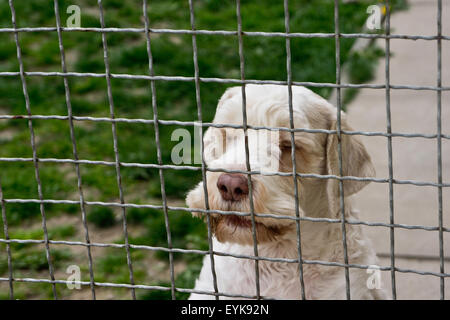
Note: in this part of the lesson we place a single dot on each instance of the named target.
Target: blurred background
(313, 60)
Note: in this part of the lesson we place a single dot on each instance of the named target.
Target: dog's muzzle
(232, 186)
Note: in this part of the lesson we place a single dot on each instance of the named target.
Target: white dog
(270, 151)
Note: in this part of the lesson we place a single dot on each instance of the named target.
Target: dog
(274, 194)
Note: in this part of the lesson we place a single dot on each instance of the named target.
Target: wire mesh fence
(117, 164)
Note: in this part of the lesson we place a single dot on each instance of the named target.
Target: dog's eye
(285, 145)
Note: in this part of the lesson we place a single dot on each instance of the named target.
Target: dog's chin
(235, 228)
(239, 229)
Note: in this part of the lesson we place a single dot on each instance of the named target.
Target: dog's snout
(232, 187)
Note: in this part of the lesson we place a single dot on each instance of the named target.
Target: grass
(102, 217)
(313, 59)
(186, 232)
(360, 69)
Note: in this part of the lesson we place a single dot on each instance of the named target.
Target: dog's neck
(314, 203)
(319, 241)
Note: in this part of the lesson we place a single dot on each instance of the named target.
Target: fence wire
(197, 80)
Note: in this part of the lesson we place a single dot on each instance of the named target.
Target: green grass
(186, 232)
(55, 233)
(186, 279)
(313, 59)
(33, 259)
(102, 217)
(360, 69)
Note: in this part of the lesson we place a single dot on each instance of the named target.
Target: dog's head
(270, 151)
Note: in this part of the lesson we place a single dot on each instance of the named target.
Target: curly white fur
(317, 153)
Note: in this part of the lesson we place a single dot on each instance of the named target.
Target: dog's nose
(232, 187)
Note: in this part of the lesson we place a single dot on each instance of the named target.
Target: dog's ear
(355, 162)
